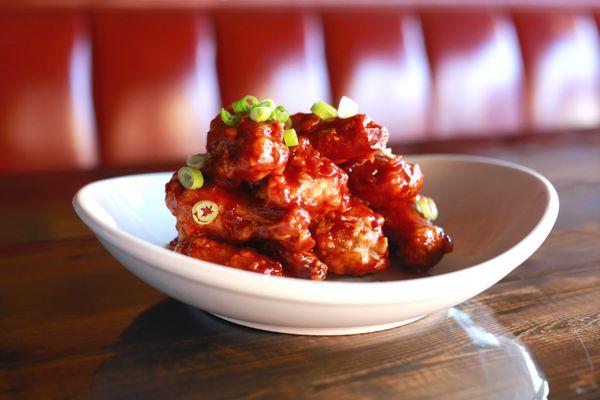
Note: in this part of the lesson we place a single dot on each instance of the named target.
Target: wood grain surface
(75, 324)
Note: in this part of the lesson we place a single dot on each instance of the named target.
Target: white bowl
(498, 214)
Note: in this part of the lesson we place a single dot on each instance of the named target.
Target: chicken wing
(207, 249)
(418, 243)
(326, 203)
(239, 217)
(342, 139)
(352, 242)
(384, 180)
(309, 180)
(299, 264)
(246, 153)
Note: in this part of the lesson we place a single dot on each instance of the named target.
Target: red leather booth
(87, 86)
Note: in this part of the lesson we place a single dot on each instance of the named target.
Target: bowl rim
(323, 292)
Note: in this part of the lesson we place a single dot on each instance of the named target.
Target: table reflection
(174, 350)
(501, 356)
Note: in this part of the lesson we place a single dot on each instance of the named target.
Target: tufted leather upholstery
(562, 59)
(477, 73)
(276, 54)
(154, 84)
(378, 58)
(83, 87)
(46, 118)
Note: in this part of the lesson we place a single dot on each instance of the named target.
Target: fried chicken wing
(308, 194)
(246, 153)
(342, 139)
(239, 217)
(309, 180)
(299, 264)
(384, 180)
(418, 243)
(352, 242)
(207, 249)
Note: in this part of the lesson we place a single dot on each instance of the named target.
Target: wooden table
(75, 324)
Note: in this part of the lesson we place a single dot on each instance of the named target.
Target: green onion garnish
(197, 160)
(426, 206)
(190, 177)
(267, 103)
(347, 107)
(205, 211)
(290, 137)
(260, 114)
(244, 104)
(323, 110)
(280, 114)
(228, 119)
(387, 152)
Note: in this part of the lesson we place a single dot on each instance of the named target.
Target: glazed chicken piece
(385, 180)
(304, 209)
(418, 243)
(207, 249)
(246, 153)
(352, 242)
(342, 139)
(299, 264)
(309, 180)
(239, 217)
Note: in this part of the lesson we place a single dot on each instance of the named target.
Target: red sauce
(385, 180)
(343, 139)
(327, 205)
(247, 153)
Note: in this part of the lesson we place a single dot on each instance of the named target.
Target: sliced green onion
(197, 160)
(244, 104)
(426, 206)
(290, 137)
(347, 107)
(239, 106)
(205, 211)
(323, 110)
(228, 119)
(260, 114)
(387, 152)
(267, 103)
(280, 114)
(190, 177)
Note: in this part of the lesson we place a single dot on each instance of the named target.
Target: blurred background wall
(86, 84)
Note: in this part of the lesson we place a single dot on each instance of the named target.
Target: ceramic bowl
(498, 214)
